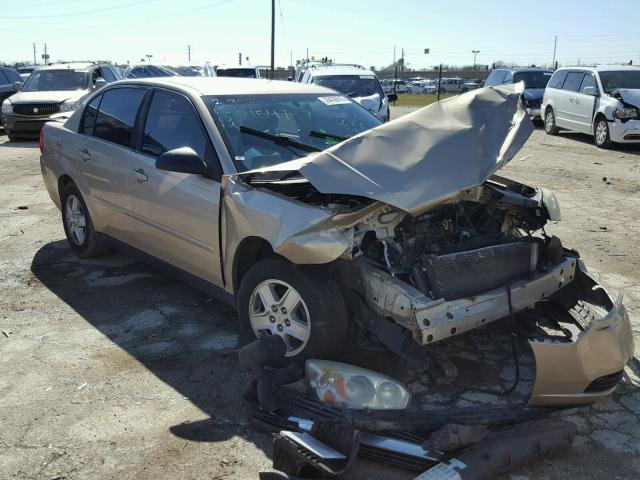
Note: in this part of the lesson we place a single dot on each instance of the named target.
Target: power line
(75, 14)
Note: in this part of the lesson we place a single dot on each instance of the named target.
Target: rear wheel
(303, 305)
(78, 227)
(601, 135)
(550, 122)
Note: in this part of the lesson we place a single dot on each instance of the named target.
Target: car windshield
(532, 79)
(236, 72)
(188, 71)
(264, 130)
(56, 80)
(351, 85)
(614, 79)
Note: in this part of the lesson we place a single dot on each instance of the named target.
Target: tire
(601, 136)
(78, 227)
(550, 122)
(319, 320)
(12, 137)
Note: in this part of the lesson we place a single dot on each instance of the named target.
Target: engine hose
(514, 343)
(385, 245)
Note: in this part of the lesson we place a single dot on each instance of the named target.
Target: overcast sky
(361, 31)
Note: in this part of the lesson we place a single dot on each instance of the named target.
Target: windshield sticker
(239, 158)
(368, 77)
(334, 100)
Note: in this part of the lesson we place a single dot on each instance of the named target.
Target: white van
(601, 101)
(354, 81)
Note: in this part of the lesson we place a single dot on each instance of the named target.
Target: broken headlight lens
(624, 113)
(339, 383)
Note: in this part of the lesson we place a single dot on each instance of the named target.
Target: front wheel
(601, 135)
(303, 305)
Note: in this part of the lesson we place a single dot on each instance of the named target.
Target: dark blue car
(8, 79)
(535, 80)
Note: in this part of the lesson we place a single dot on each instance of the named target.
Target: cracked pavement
(110, 369)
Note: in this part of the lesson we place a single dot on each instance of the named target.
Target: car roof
(68, 66)
(229, 85)
(603, 68)
(523, 69)
(325, 70)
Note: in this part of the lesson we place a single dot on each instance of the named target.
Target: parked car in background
(10, 83)
(453, 85)
(194, 70)
(602, 101)
(26, 71)
(50, 91)
(422, 87)
(148, 70)
(354, 81)
(239, 72)
(535, 80)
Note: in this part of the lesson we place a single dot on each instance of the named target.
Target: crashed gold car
(325, 227)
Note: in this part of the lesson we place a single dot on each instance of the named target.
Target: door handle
(85, 155)
(142, 176)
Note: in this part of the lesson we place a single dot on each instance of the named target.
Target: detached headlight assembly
(625, 113)
(7, 107)
(69, 106)
(358, 388)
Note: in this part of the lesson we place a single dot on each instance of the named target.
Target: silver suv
(50, 91)
(601, 101)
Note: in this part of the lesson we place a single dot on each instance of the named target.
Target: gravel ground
(112, 370)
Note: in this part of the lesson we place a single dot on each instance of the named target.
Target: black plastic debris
(455, 437)
(266, 359)
(505, 450)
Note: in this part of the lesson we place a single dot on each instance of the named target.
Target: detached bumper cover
(565, 371)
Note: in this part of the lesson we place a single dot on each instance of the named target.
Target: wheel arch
(63, 181)
(596, 117)
(249, 251)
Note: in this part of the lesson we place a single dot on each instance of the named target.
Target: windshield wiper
(330, 136)
(279, 139)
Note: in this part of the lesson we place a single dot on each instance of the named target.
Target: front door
(585, 104)
(176, 214)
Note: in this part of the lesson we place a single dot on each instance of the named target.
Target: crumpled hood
(424, 158)
(372, 102)
(533, 93)
(630, 95)
(49, 96)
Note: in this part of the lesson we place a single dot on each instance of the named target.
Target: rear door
(176, 215)
(103, 153)
(567, 115)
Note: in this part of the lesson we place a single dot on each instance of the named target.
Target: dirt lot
(109, 369)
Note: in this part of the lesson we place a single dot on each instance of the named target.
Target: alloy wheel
(276, 308)
(601, 132)
(75, 219)
(549, 122)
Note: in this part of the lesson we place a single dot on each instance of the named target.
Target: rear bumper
(534, 112)
(627, 132)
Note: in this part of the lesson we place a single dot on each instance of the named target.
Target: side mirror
(593, 91)
(182, 160)
(392, 97)
(100, 82)
(17, 86)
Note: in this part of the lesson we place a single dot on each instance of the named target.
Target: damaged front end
(427, 242)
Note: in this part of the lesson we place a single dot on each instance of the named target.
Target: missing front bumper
(433, 320)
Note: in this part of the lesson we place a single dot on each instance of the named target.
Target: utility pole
(402, 59)
(273, 37)
(555, 44)
(439, 80)
(35, 62)
(475, 54)
(45, 56)
(189, 53)
(307, 54)
(394, 55)
(240, 58)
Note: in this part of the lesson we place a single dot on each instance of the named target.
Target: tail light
(42, 140)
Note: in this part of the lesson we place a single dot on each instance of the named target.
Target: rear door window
(107, 74)
(557, 79)
(117, 115)
(572, 82)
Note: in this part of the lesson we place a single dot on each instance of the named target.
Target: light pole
(475, 54)
(273, 37)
